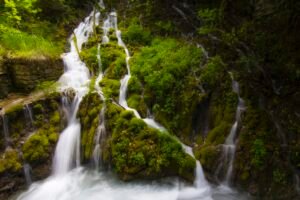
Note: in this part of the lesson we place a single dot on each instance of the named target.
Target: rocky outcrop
(30, 139)
(26, 74)
(23, 75)
(4, 79)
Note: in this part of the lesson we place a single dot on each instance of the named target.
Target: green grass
(20, 44)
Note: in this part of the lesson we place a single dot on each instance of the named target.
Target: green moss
(89, 56)
(171, 90)
(10, 162)
(218, 134)
(135, 34)
(138, 151)
(279, 176)
(258, 152)
(113, 60)
(208, 156)
(55, 118)
(88, 114)
(36, 148)
(110, 88)
(15, 108)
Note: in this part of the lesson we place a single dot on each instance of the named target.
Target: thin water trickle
(99, 138)
(27, 173)
(28, 115)
(229, 147)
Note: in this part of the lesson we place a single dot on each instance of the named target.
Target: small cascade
(101, 131)
(27, 173)
(28, 115)
(76, 77)
(101, 4)
(201, 189)
(5, 130)
(100, 136)
(124, 82)
(205, 53)
(230, 143)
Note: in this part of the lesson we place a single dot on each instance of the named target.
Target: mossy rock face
(10, 162)
(89, 114)
(164, 76)
(209, 157)
(110, 88)
(26, 74)
(140, 152)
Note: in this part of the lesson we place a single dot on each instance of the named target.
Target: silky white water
(27, 173)
(76, 79)
(28, 115)
(229, 147)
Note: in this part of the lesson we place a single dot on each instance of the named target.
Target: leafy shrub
(258, 152)
(135, 34)
(22, 44)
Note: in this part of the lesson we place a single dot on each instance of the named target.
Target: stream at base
(82, 184)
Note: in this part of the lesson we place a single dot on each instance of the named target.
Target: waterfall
(101, 131)
(28, 115)
(229, 147)
(202, 188)
(100, 135)
(77, 78)
(79, 183)
(27, 173)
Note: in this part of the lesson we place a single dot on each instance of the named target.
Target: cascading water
(27, 173)
(201, 185)
(230, 143)
(28, 115)
(82, 184)
(76, 77)
(100, 135)
(101, 131)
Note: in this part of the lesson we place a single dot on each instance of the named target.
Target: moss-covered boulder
(138, 151)
(89, 115)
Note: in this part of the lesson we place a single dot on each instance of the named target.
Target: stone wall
(23, 75)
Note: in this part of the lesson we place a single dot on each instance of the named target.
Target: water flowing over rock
(229, 147)
(76, 76)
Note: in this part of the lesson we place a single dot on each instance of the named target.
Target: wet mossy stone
(89, 115)
(141, 152)
(10, 161)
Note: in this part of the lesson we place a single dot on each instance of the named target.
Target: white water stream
(229, 147)
(28, 115)
(76, 183)
(76, 78)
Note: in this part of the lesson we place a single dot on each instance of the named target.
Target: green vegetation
(35, 28)
(21, 44)
(10, 162)
(138, 151)
(165, 69)
(136, 35)
(259, 152)
(88, 114)
(37, 148)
